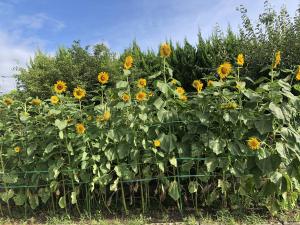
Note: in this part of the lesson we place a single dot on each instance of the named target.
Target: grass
(204, 218)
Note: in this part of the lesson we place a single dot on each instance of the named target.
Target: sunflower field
(143, 143)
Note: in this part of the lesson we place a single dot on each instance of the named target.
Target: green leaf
(174, 190)
(154, 75)
(121, 84)
(123, 149)
(280, 148)
(20, 199)
(114, 185)
(264, 126)
(44, 194)
(61, 124)
(143, 116)
(168, 142)
(276, 111)
(9, 178)
(62, 202)
(211, 164)
(158, 103)
(61, 134)
(73, 197)
(173, 161)
(33, 200)
(193, 187)
(217, 145)
(5, 196)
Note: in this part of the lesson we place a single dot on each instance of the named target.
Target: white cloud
(12, 54)
(38, 21)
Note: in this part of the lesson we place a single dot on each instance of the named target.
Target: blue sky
(28, 25)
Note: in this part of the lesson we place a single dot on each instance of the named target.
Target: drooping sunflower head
(253, 143)
(128, 62)
(103, 77)
(36, 101)
(224, 70)
(17, 149)
(210, 83)
(80, 129)
(198, 85)
(180, 90)
(298, 74)
(8, 101)
(173, 81)
(141, 83)
(183, 98)
(240, 59)
(125, 97)
(60, 87)
(141, 96)
(165, 50)
(156, 143)
(54, 99)
(277, 59)
(106, 116)
(79, 93)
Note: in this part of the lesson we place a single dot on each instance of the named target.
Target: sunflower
(36, 101)
(60, 87)
(165, 50)
(79, 93)
(103, 77)
(89, 118)
(141, 96)
(240, 59)
(54, 99)
(183, 97)
(18, 149)
(80, 129)
(180, 90)
(156, 143)
(224, 70)
(8, 101)
(198, 85)
(298, 73)
(128, 62)
(174, 82)
(106, 116)
(125, 97)
(141, 83)
(210, 83)
(277, 59)
(253, 143)
(151, 94)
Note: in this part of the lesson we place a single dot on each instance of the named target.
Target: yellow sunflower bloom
(60, 87)
(165, 50)
(224, 70)
(240, 59)
(103, 77)
(151, 94)
(125, 97)
(183, 98)
(298, 74)
(198, 85)
(8, 101)
(141, 96)
(106, 116)
(18, 149)
(141, 83)
(80, 129)
(54, 99)
(156, 143)
(36, 101)
(277, 59)
(79, 93)
(180, 90)
(174, 82)
(253, 143)
(128, 62)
